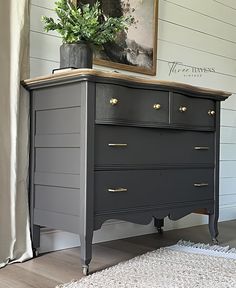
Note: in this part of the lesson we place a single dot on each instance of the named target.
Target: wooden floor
(50, 269)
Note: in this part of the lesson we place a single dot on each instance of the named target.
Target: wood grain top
(29, 83)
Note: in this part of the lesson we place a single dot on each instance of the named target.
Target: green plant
(85, 22)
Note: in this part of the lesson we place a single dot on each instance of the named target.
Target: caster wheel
(35, 252)
(160, 231)
(85, 270)
(215, 241)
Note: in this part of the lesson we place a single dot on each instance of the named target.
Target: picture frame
(129, 52)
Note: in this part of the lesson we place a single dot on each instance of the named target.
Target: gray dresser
(108, 146)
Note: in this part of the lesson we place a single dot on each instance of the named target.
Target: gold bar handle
(202, 148)
(117, 190)
(200, 184)
(117, 144)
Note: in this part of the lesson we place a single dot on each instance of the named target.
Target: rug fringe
(204, 249)
(216, 248)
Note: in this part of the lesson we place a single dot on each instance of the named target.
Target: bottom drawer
(117, 190)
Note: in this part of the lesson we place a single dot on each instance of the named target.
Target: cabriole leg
(159, 223)
(86, 251)
(213, 227)
(36, 240)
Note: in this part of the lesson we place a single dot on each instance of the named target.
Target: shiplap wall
(196, 33)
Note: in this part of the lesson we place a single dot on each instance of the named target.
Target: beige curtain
(15, 244)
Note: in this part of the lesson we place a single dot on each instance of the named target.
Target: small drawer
(118, 145)
(122, 190)
(189, 111)
(122, 105)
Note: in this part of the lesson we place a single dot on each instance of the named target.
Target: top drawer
(122, 105)
(189, 111)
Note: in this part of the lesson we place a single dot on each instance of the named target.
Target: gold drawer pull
(113, 101)
(202, 148)
(183, 108)
(117, 144)
(200, 184)
(157, 106)
(117, 190)
(211, 113)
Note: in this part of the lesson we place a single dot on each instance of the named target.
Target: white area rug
(184, 265)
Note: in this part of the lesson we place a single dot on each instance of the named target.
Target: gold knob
(157, 106)
(113, 101)
(211, 112)
(183, 109)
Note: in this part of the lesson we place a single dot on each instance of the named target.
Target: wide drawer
(122, 105)
(189, 111)
(117, 145)
(121, 190)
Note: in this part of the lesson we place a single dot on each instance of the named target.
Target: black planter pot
(78, 55)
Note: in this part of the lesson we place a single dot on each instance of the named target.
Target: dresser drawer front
(118, 190)
(128, 106)
(189, 111)
(115, 145)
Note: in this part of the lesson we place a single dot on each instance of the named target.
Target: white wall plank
(35, 19)
(196, 21)
(228, 118)
(44, 46)
(49, 4)
(228, 169)
(227, 3)
(187, 37)
(228, 135)
(39, 67)
(227, 186)
(227, 199)
(228, 152)
(209, 8)
(227, 212)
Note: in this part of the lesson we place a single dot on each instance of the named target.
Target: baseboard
(52, 240)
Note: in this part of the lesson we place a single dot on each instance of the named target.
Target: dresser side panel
(57, 156)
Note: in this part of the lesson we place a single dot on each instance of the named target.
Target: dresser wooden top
(80, 74)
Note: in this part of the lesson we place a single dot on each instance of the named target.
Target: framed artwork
(136, 49)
